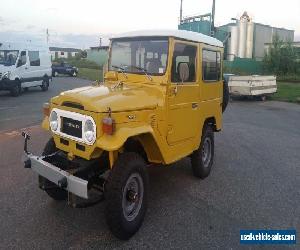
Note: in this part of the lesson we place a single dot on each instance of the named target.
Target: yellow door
(183, 94)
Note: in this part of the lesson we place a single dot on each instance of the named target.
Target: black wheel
(45, 84)
(202, 158)
(225, 96)
(54, 192)
(16, 89)
(126, 193)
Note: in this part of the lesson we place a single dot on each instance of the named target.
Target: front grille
(71, 127)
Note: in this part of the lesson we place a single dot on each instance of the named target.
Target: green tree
(280, 59)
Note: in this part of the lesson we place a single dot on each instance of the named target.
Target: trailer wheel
(54, 192)
(126, 194)
(225, 96)
(202, 158)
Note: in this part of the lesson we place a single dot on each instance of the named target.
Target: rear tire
(126, 193)
(55, 193)
(45, 84)
(202, 158)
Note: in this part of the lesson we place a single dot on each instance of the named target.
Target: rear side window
(211, 69)
(34, 58)
(184, 54)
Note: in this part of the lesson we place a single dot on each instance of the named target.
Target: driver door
(183, 95)
(22, 67)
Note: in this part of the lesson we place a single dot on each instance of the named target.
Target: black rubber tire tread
(196, 159)
(45, 87)
(57, 194)
(16, 90)
(126, 164)
(225, 96)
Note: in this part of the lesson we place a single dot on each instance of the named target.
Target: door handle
(26, 67)
(194, 105)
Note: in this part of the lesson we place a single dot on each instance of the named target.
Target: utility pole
(212, 28)
(100, 41)
(180, 11)
(47, 36)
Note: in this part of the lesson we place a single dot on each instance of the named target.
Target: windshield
(8, 57)
(139, 56)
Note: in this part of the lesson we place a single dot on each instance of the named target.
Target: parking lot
(254, 184)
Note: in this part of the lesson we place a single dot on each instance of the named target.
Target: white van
(23, 66)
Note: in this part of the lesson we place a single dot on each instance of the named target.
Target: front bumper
(6, 84)
(58, 176)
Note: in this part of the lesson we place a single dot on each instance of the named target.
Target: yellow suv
(161, 100)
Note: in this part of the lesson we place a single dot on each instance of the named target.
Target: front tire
(202, 158)
(55, 192)
(126, 192)
(16, 89)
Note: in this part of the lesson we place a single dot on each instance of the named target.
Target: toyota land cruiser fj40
(161, 100)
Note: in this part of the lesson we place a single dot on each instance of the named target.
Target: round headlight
(89, 131)
(53, 121)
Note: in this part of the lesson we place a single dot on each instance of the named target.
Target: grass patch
(288, 92)
(90, 74)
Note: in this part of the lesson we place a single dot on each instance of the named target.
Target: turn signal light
(46, 109)
(108, 125)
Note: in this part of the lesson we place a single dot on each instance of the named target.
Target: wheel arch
(138, 139)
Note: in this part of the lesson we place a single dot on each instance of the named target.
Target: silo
(233, 43)
(249, 43)
(242, 24)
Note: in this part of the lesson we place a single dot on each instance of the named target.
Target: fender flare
(115, 142)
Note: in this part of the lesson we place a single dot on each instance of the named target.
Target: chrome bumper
(59, 177)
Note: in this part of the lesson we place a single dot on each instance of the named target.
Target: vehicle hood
(4, 69)
(124, 98)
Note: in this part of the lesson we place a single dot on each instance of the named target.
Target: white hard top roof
(182, 34)
(23, 45)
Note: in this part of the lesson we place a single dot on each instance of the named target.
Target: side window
(211, 65)
(34, 58)
(184, 63)
(22, 59)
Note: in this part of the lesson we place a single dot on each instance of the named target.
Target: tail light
(46, 109)
(108, 125)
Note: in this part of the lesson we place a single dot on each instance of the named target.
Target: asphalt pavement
(254, 184)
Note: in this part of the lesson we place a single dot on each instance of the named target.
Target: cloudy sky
(81, 23)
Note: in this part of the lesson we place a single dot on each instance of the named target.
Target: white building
(57, 52)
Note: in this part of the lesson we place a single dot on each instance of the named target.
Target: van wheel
(16, 89)
(45, 84)
(126, 193)
(54, 191)
(202, 158)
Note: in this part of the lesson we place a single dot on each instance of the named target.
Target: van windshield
(8, 57)
(140, 56)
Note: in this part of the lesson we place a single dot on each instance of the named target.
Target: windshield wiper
(143, 70)
(120, 69)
